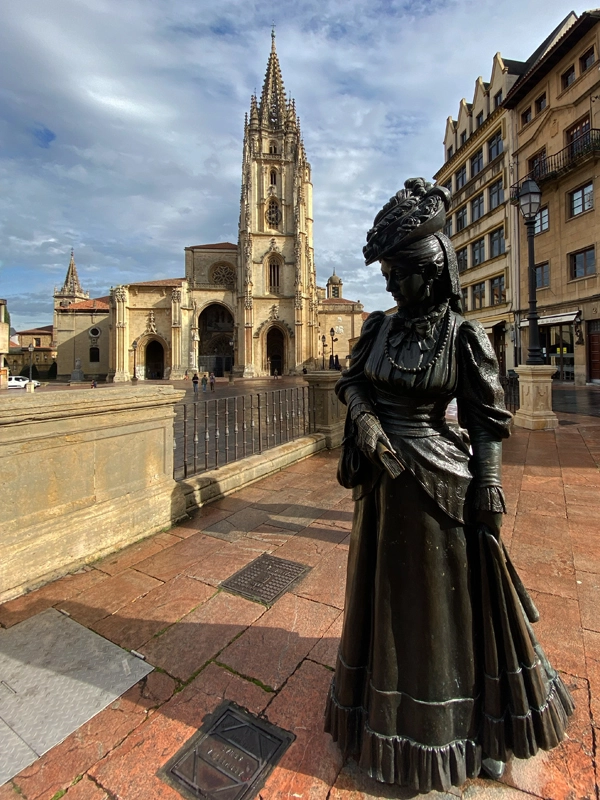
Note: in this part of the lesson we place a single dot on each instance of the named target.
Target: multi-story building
(478, 147)
(555, 107)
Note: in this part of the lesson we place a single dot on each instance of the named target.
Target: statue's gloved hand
(368, 433)
(491, 520)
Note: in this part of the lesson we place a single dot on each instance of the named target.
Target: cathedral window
(274, 270)
(273, 214)
(94, 355)
(273, 148)
(273, 177)
(223, 275)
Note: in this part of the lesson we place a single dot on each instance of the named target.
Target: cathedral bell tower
(276, 282)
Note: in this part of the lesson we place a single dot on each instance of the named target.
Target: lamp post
(134, 347)
(530, 197)
(30, 348)
(331, 355)
(323, 346)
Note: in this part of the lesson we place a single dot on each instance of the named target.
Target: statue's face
(406, 285)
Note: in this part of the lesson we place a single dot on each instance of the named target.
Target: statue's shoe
(492, 768)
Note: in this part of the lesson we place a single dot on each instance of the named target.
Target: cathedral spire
(272, 108)
(72, 284)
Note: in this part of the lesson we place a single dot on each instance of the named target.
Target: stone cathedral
(252, 307)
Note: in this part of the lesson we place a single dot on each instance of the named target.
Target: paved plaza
(161, 597)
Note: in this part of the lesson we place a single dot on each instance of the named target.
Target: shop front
(557, 340)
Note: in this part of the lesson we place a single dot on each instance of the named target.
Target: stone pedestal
(327, 414)
(77, 376)
(30, 387)
(535, 398)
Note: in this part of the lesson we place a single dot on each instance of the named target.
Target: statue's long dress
(438, 665)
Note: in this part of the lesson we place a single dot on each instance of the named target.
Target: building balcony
(577, 152)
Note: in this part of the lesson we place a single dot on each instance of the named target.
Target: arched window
(273, 148)
(335, 291)
(94, 355)
(274, 285)
(273, 177)
(273, 214)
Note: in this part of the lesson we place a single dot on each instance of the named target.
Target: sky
(121, 124)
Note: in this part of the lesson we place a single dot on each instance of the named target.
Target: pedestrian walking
(195, 384)
(212, 381)
(204, 381)
(275, 374)
(186, 376)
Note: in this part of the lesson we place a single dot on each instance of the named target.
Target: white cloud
(146, 101)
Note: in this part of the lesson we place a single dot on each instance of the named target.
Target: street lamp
(134, 346)
(331, 357)
(530, 197)
(323, 346)
(30, 348)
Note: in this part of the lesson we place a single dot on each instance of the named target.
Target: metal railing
(550, 167)
(510, 384)
(211, 433)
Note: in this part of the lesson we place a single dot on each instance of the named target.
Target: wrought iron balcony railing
(549, 167)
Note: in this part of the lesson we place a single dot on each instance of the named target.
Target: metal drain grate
(229, 758)
(265, 579)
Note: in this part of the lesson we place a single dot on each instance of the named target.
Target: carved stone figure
(438, 671)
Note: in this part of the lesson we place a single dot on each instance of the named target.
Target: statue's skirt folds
(438, 665)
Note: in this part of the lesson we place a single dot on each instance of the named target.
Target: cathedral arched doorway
(275, 351)
(155, 360)
(216, 333)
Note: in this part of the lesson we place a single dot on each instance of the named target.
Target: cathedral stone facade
(254, 307)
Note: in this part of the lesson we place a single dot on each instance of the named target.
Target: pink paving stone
(483, 789)
(201, 519)
(559, 632)
(588, 587)
(56, 770)
(273, 647)
(170, 562)
(310, 766)
(136, 623)
(546, 568)
(325, 650)
(270, 535)
(51, 594)
(109, 596)
(199, 636)
(123, 559)
(310, 545)
(326, 583)
(545, 504)
(230, 558)
(86, 789)
(566, 772)
(591, 641)
(353, 784)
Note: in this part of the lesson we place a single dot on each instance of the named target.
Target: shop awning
(555, 319)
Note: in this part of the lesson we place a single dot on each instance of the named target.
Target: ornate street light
(323, 346)
(134, 346)
(331, 356)
(530, 197)
(30, 348)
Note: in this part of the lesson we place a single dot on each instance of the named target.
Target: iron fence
(212, 433)
(510, 384)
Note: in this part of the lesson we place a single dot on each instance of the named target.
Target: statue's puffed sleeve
(353, 388)
(482, 412)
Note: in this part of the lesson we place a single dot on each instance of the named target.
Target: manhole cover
(265, 579)
(229, 758)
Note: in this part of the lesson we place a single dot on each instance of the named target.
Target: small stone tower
(334, 287)
(71, 291)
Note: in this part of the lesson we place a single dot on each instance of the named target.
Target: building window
(586, 60)
(526, 116)
(541, 103)
(273, 148)
(94, 355)
(497, 242)
(477, 207)
(477, 163)
(541, 220)
(495, 146)
(461, 219)
(461, 258)
(583, 263)
(335, 291)
(542, 275)
(448, 185)
(478, 252)
(274, 270)
(465, 298)
(478, 295)
(479, 120)
(578, 137)
(450, 152)
(461, 177)
(537, 164)
(498, 292)
(581, 200)
(448, 227)
(568, 77)
(498, 99)
(496, 194)
(463, 138)
(273, 214)
(37, 342)
(273, 178)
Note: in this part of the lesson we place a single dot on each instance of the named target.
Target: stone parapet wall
(83, 474)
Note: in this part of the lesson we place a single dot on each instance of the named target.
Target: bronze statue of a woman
(438, 673)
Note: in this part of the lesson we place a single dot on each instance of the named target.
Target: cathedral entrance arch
(155, 360)
(216, 333)
(275, 351)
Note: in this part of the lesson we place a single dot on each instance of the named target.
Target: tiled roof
(98, 303)
(161, 282)
(338, 300)
(46, 330)
(217, 246)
